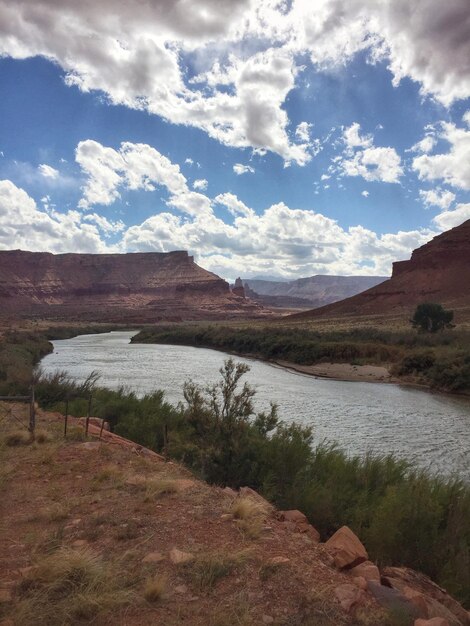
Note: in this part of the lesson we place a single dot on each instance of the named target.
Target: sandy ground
(343, 371)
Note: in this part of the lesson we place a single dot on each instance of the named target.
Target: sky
(269, 138)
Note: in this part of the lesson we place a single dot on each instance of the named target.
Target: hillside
(439, 272)
(137, 540)
(314, 291)
(135, 287)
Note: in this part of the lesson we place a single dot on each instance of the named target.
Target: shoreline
(342, 372)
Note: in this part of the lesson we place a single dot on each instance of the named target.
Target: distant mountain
(438, 272)
(314, 291)
(135, 287)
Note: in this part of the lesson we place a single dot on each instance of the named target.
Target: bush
(416, 363)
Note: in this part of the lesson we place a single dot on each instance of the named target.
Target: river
(432, 430)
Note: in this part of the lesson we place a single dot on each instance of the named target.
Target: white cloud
(362, 158)
(47, 171)
(189, 161)
(425, 145)
(280, 239)
(138, 55)
(240, 169)
(426, 40)
(200, 184)
(106, 226)
(25, 226)
(437, 197)
(133, 166)
(449, 219)
(365, 193)
(353, 139)
(234, 205)
(191, 203)
(302, 132)
(453, 166)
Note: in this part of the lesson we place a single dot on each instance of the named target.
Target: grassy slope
(80, 558)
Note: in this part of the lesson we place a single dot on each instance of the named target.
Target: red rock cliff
(137, 286)
(439, 272)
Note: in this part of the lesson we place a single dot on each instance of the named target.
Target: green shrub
(416, 363)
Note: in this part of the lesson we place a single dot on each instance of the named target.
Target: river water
(432, 430)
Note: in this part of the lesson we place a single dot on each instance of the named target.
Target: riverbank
(342, 371)
(439, 361)
(398, 509)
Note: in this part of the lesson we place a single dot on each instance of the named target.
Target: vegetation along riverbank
(404, 516)
(439, 361)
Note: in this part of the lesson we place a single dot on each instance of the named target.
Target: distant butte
(134, 287)
(439, 272)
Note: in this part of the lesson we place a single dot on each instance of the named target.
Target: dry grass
(249, 515)
(320, 608)
(155, 588)
(238, 614)
(109, 473)
(102, 519)
(159, 487)
(57, 512)
(105, 452)
(42, 436)
(75, 433)
(51, 542)
(67, 587)
(46, 454)
(206, 570)
(154, 488)
(18, 438)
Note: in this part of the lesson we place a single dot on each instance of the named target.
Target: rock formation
(238, 288)
(439, 272)
(313, 291)
(135, 287)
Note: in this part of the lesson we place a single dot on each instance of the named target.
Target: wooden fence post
(165, 441)
(32, 414)
(66, 416)
(88, 416)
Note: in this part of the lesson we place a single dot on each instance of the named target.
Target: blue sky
(267, 138)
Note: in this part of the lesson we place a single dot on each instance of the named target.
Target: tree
(225, 425)
(430, 317)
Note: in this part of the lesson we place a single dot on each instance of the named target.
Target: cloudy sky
(267, 137)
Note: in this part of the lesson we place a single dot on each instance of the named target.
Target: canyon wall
(143, 287)
(438, 272)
